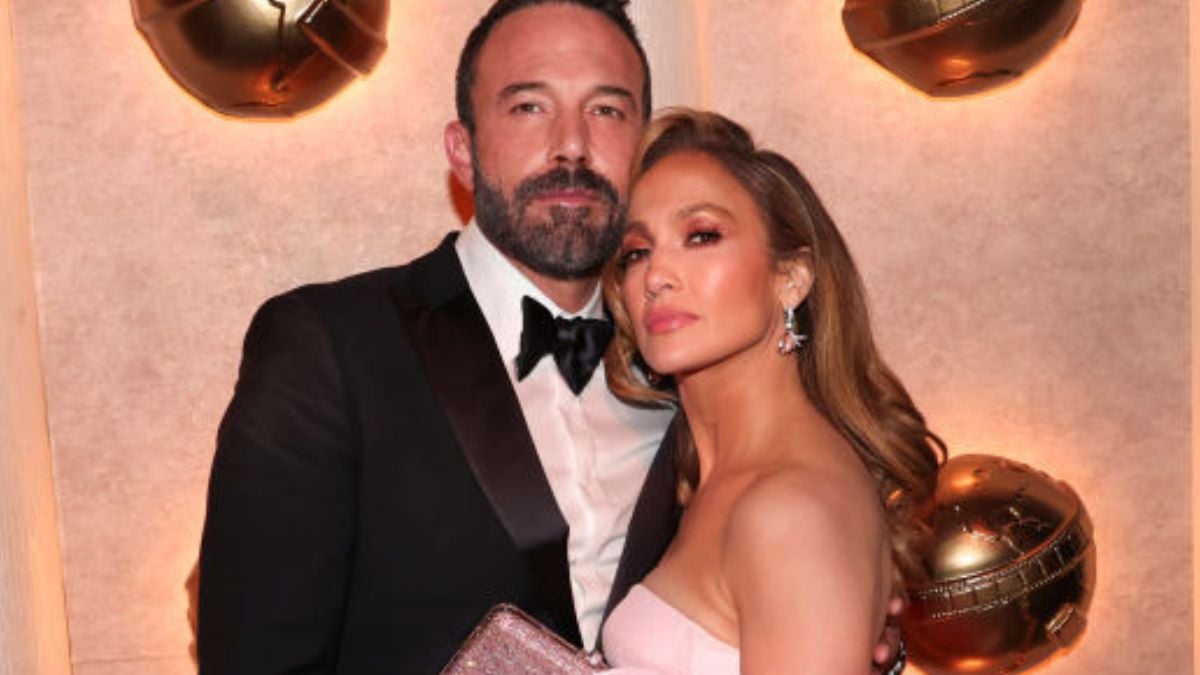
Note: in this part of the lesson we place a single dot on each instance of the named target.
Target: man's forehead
(522, 86)
(555, 42)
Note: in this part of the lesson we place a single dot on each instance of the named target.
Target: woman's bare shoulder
(807, 568)
(801, 507)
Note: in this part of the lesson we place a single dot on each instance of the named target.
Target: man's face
(558, 114)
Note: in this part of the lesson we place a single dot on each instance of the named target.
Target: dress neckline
(701, 630)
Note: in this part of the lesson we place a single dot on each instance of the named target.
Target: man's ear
(797, 278)
(457, 140)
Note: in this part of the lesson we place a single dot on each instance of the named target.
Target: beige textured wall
(1194, 90)
(159, 227)
(33, 627)
(674, 34)
(1026, 253)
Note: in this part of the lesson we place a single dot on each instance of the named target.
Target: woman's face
(700, 284)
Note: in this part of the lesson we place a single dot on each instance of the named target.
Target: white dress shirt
(595, 450)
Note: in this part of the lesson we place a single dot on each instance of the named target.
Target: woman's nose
(661, 275)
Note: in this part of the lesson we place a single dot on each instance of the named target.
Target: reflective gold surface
(1013, 568)
(958, 47)
(264, 58)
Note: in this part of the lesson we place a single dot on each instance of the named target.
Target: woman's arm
(808, 569)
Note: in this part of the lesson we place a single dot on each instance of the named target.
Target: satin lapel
(467, 375)
(655, 520)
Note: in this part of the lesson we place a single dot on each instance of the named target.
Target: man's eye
(609, 111)
(704, 237)
(526, 108)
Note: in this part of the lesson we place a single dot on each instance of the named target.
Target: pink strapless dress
(644, 634)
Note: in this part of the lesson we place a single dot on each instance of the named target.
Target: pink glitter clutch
(510, 642)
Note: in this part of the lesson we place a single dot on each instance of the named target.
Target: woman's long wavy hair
(842, 371)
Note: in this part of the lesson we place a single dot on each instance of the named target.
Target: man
(398, 457)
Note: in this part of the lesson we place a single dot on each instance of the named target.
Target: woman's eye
(631, 256)
(703, 237)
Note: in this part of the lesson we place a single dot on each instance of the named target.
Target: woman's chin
(676, 366)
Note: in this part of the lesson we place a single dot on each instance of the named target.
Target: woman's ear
(797, 278)
(457, 141)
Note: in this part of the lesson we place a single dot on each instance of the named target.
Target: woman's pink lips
(665, 320)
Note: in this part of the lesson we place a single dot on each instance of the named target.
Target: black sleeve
(278, 536)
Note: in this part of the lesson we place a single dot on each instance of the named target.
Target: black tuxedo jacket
(375, 490)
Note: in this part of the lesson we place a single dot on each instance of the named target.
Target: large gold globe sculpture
(958, 47)
(264, 58)
(1012, 569)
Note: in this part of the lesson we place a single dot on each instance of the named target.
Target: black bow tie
(577, 344)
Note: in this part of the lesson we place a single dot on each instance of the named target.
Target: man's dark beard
(566, 246)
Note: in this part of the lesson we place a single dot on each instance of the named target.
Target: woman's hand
(889, 657)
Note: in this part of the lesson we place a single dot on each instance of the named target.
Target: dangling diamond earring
(792, 338)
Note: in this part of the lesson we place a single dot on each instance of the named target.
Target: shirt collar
(498, 287)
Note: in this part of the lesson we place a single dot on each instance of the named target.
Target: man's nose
(570, 143)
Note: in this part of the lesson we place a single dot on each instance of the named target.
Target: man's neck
(571, 295)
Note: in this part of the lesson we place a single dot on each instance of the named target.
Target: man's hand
(889, 657)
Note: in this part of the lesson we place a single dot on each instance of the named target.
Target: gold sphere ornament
(1012, 569)
(264, 58)
(958, 47)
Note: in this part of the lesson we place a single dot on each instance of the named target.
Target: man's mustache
(562, 179)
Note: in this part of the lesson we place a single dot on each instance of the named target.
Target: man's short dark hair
(468, 60)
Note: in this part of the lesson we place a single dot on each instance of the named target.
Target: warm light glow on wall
(33, 625)
(1194, 88)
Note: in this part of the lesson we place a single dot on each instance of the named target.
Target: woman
(802, 459)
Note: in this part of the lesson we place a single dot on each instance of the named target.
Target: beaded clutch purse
(510, 642)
